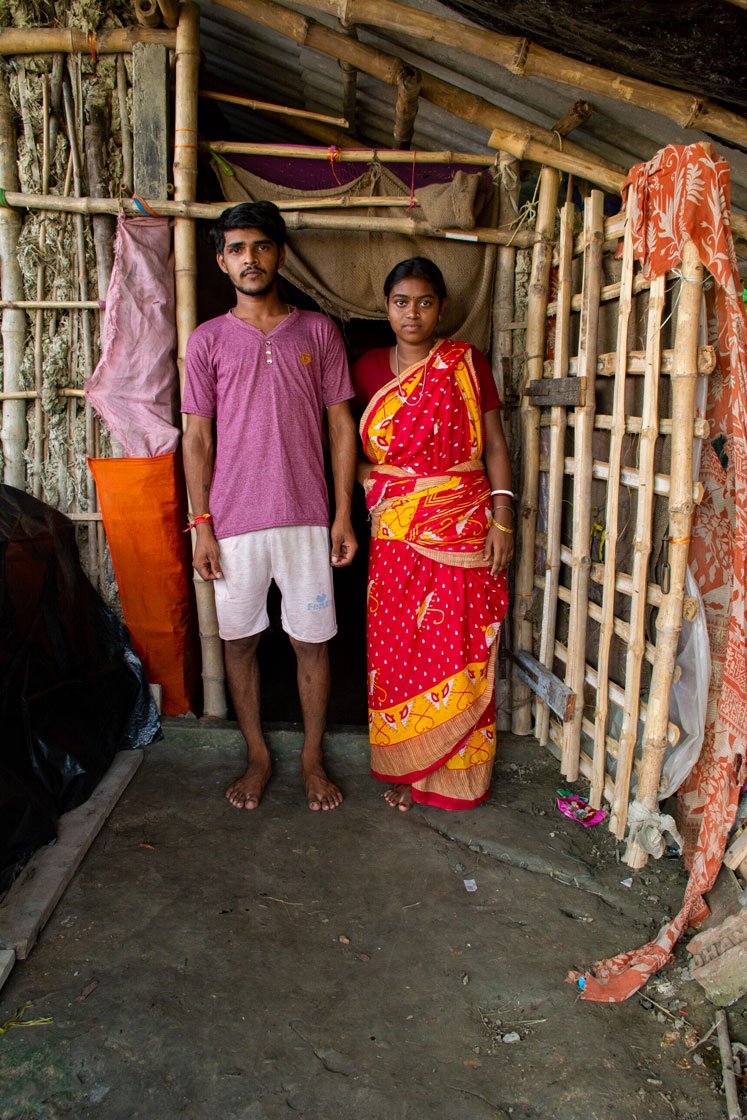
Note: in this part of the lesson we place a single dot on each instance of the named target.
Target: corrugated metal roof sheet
(264, 65)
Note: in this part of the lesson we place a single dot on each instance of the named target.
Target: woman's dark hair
(264, 216)
(422, 269)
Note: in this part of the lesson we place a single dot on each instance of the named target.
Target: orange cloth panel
(143, 505)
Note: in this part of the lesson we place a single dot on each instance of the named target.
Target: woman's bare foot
(399, 797)
(246, 792)
(321, 793)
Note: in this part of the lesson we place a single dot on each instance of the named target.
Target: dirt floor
(211, 963)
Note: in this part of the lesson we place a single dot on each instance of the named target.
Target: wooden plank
(568, 392)
(545, 685)
(7, 960)
(150, 116)
(37, 890)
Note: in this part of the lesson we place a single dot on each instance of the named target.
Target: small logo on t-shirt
(320, 603)
(306, 359)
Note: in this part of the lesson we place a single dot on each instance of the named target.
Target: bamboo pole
(573, 118)
(502, 367)
(634, 425)
(69, 40)
(39, 419)
(525, 59)
(49, 304)
(298, 214)
(530, 428)
(269, 107)
(11, 289)
(509, 133)
(557, 455)
(641, 553)
(350, 155)
(86, 332)
(611, 514)
(669, 620)
(637, 362)
(503, 292)
(185, 269)
(406, 108)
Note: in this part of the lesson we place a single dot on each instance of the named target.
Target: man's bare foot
(399, 797)
(321, 793)
(246, 792)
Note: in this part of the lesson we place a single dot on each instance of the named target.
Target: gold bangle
(503, 528)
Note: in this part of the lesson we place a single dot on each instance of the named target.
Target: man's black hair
(264, 216)
(421, 268)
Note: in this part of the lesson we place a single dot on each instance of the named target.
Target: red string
(92, 48)
(333, 154)
(412, 202)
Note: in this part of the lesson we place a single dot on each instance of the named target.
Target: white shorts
(297, 558)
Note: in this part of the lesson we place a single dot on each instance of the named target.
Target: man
(258, 381)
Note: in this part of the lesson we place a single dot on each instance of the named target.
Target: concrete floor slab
(207, 962)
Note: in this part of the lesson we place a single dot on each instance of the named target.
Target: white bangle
(508, 493)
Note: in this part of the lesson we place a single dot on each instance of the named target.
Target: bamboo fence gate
(608, 445)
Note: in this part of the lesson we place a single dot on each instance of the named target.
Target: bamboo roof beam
(527, 60)
(508, 132)
(69, 40)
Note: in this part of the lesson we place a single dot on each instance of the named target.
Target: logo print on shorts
(320, 603)
(306, 359)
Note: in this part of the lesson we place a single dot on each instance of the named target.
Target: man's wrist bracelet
(193, 520)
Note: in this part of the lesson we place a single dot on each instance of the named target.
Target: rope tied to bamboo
(679, 275)
(648, 828)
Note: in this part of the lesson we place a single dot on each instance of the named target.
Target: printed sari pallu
(434, 610)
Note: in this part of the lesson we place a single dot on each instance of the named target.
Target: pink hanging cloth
(134, 388)
(683, 194)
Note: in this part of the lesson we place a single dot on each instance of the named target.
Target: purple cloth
(267, 394)
(317, 174)
(135, 387)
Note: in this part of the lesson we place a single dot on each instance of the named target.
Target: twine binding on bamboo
(648, 828)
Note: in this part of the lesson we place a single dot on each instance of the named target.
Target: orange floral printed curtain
(683, 194)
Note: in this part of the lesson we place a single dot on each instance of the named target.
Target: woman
(439, 496)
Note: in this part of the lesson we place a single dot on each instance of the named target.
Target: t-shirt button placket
(268, 353)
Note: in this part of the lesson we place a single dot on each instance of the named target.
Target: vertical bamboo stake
(558, 417)
(530, 430)
(617, 435)
(582, 477)
(11, 288)
(642, 551)
(185, 266)
(502, 351)
(86, 332)
(669, 621)
(406, 109)
(39, 317)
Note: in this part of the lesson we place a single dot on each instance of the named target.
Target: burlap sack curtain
(345, 272)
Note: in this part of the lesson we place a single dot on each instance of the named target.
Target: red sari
(434, 610)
